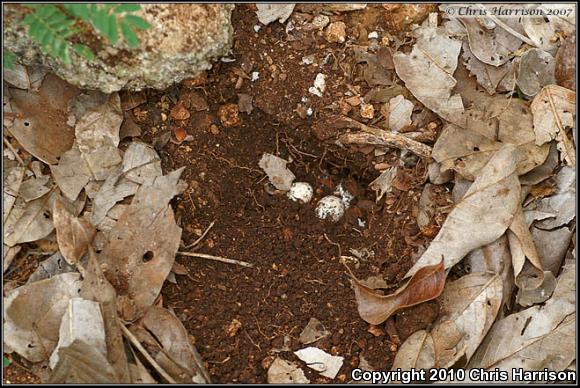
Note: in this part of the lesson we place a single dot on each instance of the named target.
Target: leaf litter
(68, 314)
(507, 146)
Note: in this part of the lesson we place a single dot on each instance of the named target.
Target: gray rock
(181, 43)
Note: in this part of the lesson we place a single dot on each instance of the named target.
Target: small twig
(333, 243)
(377, 136)
(217, 258)
(11, 148)
(147, 356)
(200, 237)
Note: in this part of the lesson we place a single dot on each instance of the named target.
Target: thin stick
(201, 237)
(11, 148)
(147, 356)
(217, 258)
(377, 136)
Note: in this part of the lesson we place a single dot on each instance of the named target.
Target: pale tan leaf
(284, 372)
(554, 109)
(492, 200)
(532, 336)
(33, 313)
(73, 234)
(174, 339)
(469, 307)
(33, 223)
(522, 247)
(495, 258)
(428, 71)
(417, 352)
(426, 284)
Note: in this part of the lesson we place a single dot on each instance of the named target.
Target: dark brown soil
(297, 272)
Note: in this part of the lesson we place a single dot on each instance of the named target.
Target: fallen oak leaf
(426, 284)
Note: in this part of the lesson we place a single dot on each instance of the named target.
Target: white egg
(330, 207)
(300, 191)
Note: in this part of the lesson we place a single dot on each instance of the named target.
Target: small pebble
(257, 28)
(255, 76)
(373, 35)
(335, 32)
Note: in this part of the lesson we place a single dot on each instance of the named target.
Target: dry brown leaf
(33, 313)
(96, 287)
(428, 71)
(174, 339)
(554, 109)
(535, 338)
(469, 307)
(495, 258)
(142, 245)
(30, 221)
(73, 234)
(40, 125)
(488, 76)
(492, 200)
(426, 284)
(81, 363)
(492, 46)
(529, 273)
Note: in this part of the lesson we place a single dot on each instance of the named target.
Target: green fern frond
(51, 26)
(8, 59)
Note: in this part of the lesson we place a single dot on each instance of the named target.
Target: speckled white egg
(300, 192)
(331, 208)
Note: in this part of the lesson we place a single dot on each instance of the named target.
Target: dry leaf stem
(217, 258)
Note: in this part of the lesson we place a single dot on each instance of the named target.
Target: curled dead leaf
(426, 284)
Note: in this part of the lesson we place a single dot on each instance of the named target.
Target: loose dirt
(298, 271)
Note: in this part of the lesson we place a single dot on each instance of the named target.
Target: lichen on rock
(182, 41)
